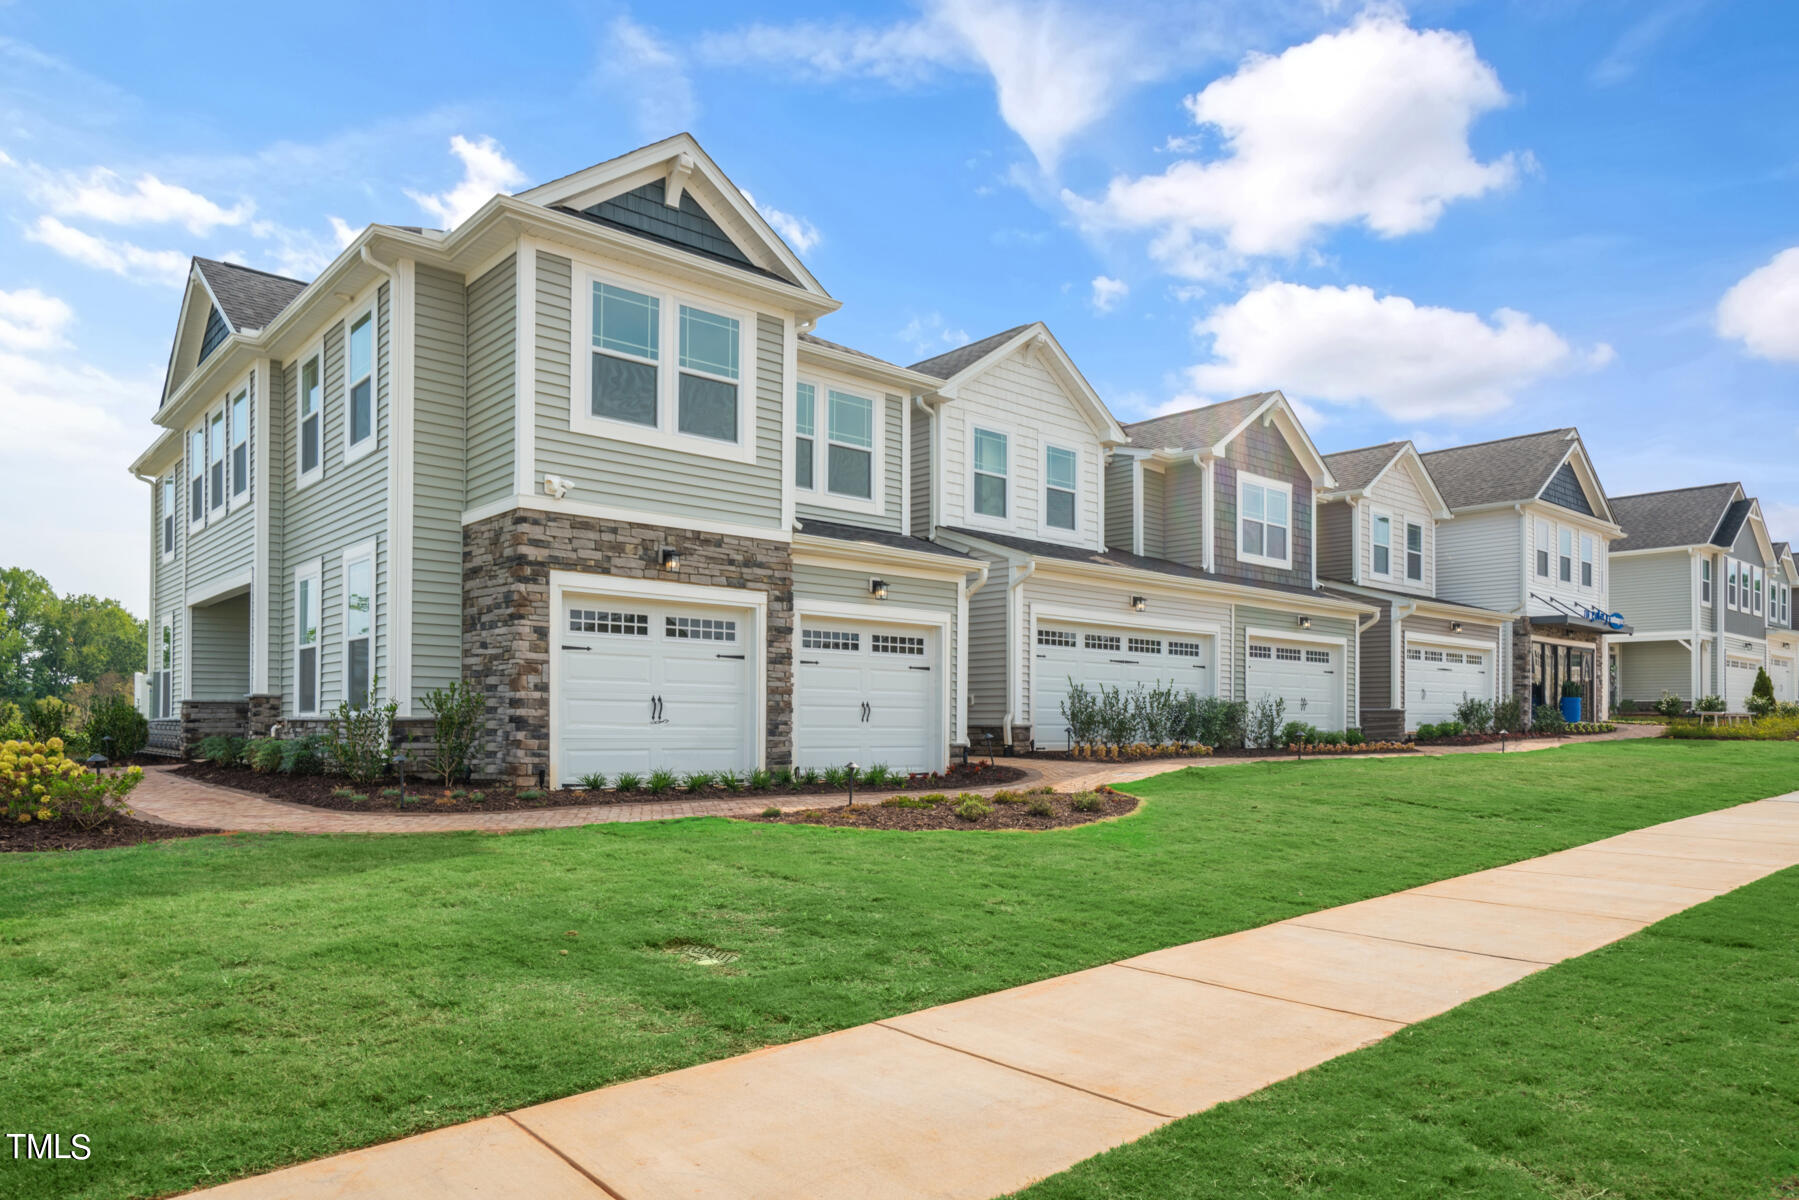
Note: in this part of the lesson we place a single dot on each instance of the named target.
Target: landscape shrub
(27, 769)
(1081, 713)
(933, 798)
(1265, 722)
(972, 808)
(1425, 733)
(1709, 704)
(627, 781)
(223, 750)
(1547, 720)
(91, 799)
(456, 714)
(1222, 724)
(1508, 715)
(783, 778)
(1298, 733)
(1787, 708)
(1767, 729)
(1117, 717)
(1087, 802)
(1627, 707)
(1158, 713)
(304, 755)
(1004, 796)
(1475, 715)
(760, 779)
(696, 781)
(1332, 737)
(48, 718)
(116, 718)
(593, 781)
(1040, 808)
(661, 781)
(264, 755)
(1670, 705)
(1761, 696)
(771, 811)
(1354, 737)
(356, 740)
(906, 802)
(12, 723)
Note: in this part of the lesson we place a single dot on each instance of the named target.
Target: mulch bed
(943, 816)
(1488, 739)
(316, 791)
(66, 835)
(1338, 752)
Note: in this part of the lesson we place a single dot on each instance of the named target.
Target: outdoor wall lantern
(1138, 603)
(671, 559)
(1455, 627)
(1305, 622)
(877, 588)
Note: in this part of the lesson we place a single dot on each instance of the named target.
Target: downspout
(397, 446)
(980, 581)
(1207, 482)
(1015, 629)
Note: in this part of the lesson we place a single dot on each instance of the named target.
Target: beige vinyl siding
(890, 483)
(842, 586)
(1184, 515)
(438, 485)
(1275, 619)
(668, 484)
(922, 422)
(221, 641)
(987, 641)
(1121, 502)
(345, 508)
(492, 308)
(1171, 609)
(1155, 513)
(1654, 591)
(1480, 559)
(1336, 534)
(1647, 669)
(1397, 495)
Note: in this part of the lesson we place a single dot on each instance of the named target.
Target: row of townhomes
(585, 451)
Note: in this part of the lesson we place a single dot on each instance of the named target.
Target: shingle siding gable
(1261, 450)
(216, 333)
(644, 210)
(1564, 489)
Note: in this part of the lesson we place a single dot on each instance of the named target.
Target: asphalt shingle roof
(250, 298)
(877, 537)
(1357, 468)
(1194, 428)
(830, 345)
(1508, 471)
(1681, 517)
(944, 366)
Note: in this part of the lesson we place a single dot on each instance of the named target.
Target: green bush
(972, 808)
(933, 798)
(696, 781)
(1332, 737)
(1670, 705)
(356, 740)
(12, 724)
(1265, 722)
(1117, 717)
(91, 799)
(1220, 724)
(116, 718)
(1547, 720)
(1709, 704)
(222, 750)
(1425, 733)
(49, 718)
(1475, 715)
(1767, 729)
(783, 778)
(1081, 713)
(523, 793)
(1298, 733)
(456, 713)
(1761, 696)
(304, 755)
(264, 755)
(1158, 713)
(593, 781)
(1040, 808)
(834, 777)
(661, 781)
(1627, 707)
(731, 781)
(627, 781)
(1508, 716)
(1087, 802)
(906, 802)
(1354, 737)
(771, 811)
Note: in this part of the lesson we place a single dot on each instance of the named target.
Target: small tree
(456, 711)
(1082, 714)
(1266, 716)
(1158, 713)
(1761, 696)
(1117, 717)
(356, 741)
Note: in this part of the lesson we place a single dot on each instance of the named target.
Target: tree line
(52, 645)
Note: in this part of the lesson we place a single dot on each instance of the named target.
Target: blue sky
(1449, 222)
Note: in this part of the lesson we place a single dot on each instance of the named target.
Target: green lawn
(1664, 1067)
(213, 1007)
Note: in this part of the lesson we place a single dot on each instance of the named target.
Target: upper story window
(240, 444)
(1383, 544)
(1587, 553)
(1060, 471)
(849, 466)
(1264, 521)
(215, 458)
(1414, 552)
(1730, 584)
(312, 418)
(1565, 555)
(990, 477)
(1705, 581)
(627, 329)
(169, 498)
(1543, 536)
(359, 387)
(196, 475)
(707, 406)
(805, 434)
(1756, 589)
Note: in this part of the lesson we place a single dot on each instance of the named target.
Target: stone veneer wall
(1522, 651)
(201, 719)
(507, 622)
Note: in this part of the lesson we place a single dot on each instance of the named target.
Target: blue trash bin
(1571, 709)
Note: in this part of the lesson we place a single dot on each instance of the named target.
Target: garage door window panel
(598, 621)
(830, 639)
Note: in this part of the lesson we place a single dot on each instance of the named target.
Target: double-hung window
(1705, 581)
(707, 406)
(1756, 588)
(1264, 521)
(307, 606)
(1730, 585)
(359, 387)
(240, 445)
(359, 624)
(1060, 471)
(311, 446)
(162, 701)
(627, 352)
(215, 458)
(1543, 536)
(849, 455)
(990, 476)
(805, 434)
(196, 476)
(1587, 556)
(1382, 542)
(171, 496)
(1565, 555)
(1414, 552)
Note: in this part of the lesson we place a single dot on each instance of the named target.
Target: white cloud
(1369, 125)
(121, 258)
(904, 53)
(1108, 293)
(640, 69)
(1345, 345)
(342, 231)
(1761, 310)
(797, 232)
(931, 335)
(1640, 39)
(30, 320)
(101, 194)
(486, 172)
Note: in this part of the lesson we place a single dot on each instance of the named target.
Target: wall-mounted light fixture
(1138, 603)
(877, 588)
(1305, 622)
(1455, 627)
(671, 559)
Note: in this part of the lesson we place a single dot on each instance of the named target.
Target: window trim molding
(665, 434)
(167, 525)
(363, 551)
(1543, 548)
(820, 493)
(302, 477)
(1267, 484)
(1051, 532)
(370, 303)
(312, 570)
(1705, 581)
(1409, 525)
(233, 501)
(979, 519)
(1375, 517)
(187, 498)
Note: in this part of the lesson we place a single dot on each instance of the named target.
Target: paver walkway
(178, 800)
(978, 1098)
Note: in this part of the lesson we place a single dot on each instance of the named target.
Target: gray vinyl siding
(1375, 679)
(1480, 560)
(224, 545)
(1647, 669)
(1262, 450)
(669, 484)
(221, 638)
(1120, 501)
(1654, 591)
(1155, 513)
(890, 483)
(346, 507)
(492, 307)
(1746, 624)
(987, 642)
(1336, 542)
(1184, 515)
(438, 484)
(1277, 619)
(812, 582)
(921, 472)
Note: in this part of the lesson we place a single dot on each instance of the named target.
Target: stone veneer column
(508, 628)
(264, 713)
(1521, 651)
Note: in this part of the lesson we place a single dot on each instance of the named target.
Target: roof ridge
(1697, 487)
(1516, 437)
(1365, 449)
(219, 262)
(1202, 407)
(963, 348)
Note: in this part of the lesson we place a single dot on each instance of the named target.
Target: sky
(1449, 222)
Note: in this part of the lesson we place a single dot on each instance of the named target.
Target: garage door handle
(727, 656)
(577, 647)
(1129, 662)
(911, 668)
(808, 662)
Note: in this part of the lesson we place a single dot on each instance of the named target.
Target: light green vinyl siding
(1275, 620)
(889, 484)
(221, 641)
(492, 382)
(438, 422)
(664, 483)
(1647, 669)
(921, 473)
(812, 582)
(1653, 591)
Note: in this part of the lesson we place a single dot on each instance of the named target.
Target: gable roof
(1196, 427)
(1731, 524)
(1510, 470)
(826, 344)
(247, 298)
(1356, 469)
(1678, 517)
(954, 362)
(971, 361)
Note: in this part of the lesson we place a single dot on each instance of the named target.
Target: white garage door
(868, 693)
(1438, 679)
(1121, 658)
(649, 686)
(1307, 675)
(1739, 681)
(1782, 671)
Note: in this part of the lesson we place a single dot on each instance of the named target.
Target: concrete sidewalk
(978, 1098)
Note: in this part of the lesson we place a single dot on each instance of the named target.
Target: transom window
(1287, 654)
(1382, 542)
(312, 407)
(1102, 641)
(1318, 656)
(1187, 649)
(893, 643)
(990, 473)
(700, 629)
(805, 433)
(849, 465)
(1259, 650)
(1145, 645)
(359, 415)
(1414, 552)
(593, 620)
(1057, 637)
(829, 639)
(1264, 521)
(1060, 469)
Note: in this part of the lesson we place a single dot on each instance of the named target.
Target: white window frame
(302, 476)
(233, 500)
(1705, 581)
(1544, 549)
(219, 502)
(1374, 545)
(1589, 562)
(1730, 584)
(1246, 479)
(1407, 550)
(1059, 531)
(1010, 477)
(196, 469)
(1564, 555)
(822, 441)
(313, 573)
(665, 432)
(162, 684)
(169, 495)
(370, 307)
(363, 552)
(1759, 582)
(811, 436)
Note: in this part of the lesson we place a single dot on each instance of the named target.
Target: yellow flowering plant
(28, 772)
